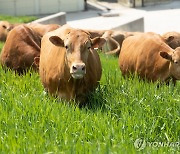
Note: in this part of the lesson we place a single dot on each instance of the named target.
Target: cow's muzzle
(78, 70)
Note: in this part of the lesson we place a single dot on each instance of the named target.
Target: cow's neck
(73, 86)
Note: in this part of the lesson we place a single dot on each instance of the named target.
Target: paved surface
(94, 19)
(158, 18)
(163, 18)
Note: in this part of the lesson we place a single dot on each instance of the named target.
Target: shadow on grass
(96, 100)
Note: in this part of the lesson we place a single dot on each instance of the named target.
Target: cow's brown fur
(95, 33)
(114, 39)
(172, 39)
(150, 57)
(57, 58)
(5, 27)
(42, 29)
(22, 45)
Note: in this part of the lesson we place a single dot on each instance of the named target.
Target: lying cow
(95, 33)
(42, 29)
(150, 57)
(22, 46)
(5, 27)
(114, 39)
(69, 67)
(172, 39)
(113, 43)
(114, 33)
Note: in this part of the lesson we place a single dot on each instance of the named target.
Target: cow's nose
(78, 68)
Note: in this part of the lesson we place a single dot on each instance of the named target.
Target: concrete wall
(58, 18)
(137, 3)
(39, 7)
(136, 25)
(152, 2)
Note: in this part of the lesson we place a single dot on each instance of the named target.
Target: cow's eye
(4, 26)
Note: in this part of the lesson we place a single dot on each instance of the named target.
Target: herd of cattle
(67, 60)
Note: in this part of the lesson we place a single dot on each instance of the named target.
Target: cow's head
(172, 39)
(5, 27)
(174, 58)
(78, 45)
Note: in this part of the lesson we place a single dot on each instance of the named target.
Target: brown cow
(69, 67)
(42, 29)
(114, 39)
(23, 45)
(113, 43)
(95, 33)
(5, 27)
(114, 33)
(172, 39)
(150, 57)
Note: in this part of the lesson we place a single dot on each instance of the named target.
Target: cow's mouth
(77, 75)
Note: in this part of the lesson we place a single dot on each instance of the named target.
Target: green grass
(1, 45)
(120, 111)
(17, 19)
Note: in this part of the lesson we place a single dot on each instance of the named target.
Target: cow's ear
(36, 61)
(56, 41)
(166, 55)
(169, 39)
(98, 42)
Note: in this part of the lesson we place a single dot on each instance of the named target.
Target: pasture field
(21, 19)
(119, 112)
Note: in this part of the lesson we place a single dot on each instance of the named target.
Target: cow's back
(140, 54)
(43, 29)
(21, 46)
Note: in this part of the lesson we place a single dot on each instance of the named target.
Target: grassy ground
(17, 19)
(121, 111)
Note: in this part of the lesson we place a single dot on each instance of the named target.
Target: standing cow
(69, 67)
(150, 57)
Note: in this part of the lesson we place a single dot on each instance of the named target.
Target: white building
(39, 7)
